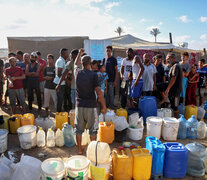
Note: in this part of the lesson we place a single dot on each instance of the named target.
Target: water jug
(132, 111)
(201, 130)
(14, 123)
(160, 113)
(61, 118)
(72, 117)
(27, 119)
(182, 131)
(50, 138)
(191, 110)
(4, 122)
(167, 112)
(68, 135)
(148, 107)
(106, 130)
(201, 113)
(175, 163)
(59, 138)
(122, 165)
(41, 138)
(122, 112)
(196, 159)
(154, 126)
(192, 128)
(46, 123)
(181, 109)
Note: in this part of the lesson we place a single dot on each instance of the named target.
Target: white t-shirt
(60, 63)
(148, 74)
(135, 70)
(127, 67)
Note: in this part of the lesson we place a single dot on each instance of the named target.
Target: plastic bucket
(27, 136)
(170, 129)
(3, 140)
(77, 167)
(53, 169)
(135, 133)
(154, 125)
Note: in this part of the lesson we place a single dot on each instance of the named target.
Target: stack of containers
(157, 149)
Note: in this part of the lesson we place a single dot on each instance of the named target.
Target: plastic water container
(72, 117)
(154, 126)
(122, 165)
(182, 130)
(68, 134)
(85, 138)
(142, 163)
(148, 107)
(53, 168)
(176, 158)
(181, 109)
(192, 128)
(170, 129)
(122, 112)
(135, 133)
(59, 138)
(27, 136)
(40, 138)
(3, 140)
(27, 119)
(106, 130)
(46, 123)
(191, 110)
(14, 123)
(201, 113)
(77, 167)
(157, 149)
(132, 111)
(4, 122)
(201, 130)
(108, 116)
(167, 112)
(196, 158)
(133, 119)
(61, 118)
(160, 113)
(50, 138)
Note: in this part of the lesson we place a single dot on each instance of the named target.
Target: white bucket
(154, 125)
(77, 165)
(135, 133)
(53, 168)
(170, 129)
(27, 136)
(3, 140)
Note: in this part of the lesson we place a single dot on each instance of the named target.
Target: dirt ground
(14, 151)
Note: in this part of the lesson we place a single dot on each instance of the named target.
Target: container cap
(27, 129)
(170, 120)
(154, 120)
(77, 163)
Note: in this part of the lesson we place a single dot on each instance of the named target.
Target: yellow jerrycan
(4, 122)
(14, 123)
(61, 118)
(122, 112)
(27, 119)
(191, 110)
(106, 131)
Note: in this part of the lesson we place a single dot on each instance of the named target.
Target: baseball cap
(34, 54)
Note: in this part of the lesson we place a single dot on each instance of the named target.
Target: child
(129, 98)
(193, 79)
(102, 78)
(185, 84)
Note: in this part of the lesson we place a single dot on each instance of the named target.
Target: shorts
(85, 115)
(174, 102)
(16, 93)
(136, 91)
(48, 93)
(200, 92)
(42, 85)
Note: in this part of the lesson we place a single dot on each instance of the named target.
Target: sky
(98, 19)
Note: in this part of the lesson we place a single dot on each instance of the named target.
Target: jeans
(124, 93)
(110, 95)
(60, 98)
(72, 91)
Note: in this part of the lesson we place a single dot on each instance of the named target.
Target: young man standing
(15, 75)
(184, 62)
(1, 80)
(111, 68)
(49, 89)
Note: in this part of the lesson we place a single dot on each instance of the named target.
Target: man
(59, 70)
(20, 56)
(15, 75)
(184, 62)
(42, 65)
(149, 76)
(32, 73)
(26, 58)
(175, 83)
(86, 86)
(126, 68)
(202, 84)
(94, 65)
(1, 80)
(111, 68)
(49, 89)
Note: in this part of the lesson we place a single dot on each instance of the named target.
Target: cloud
(81, 2)
(109, 6)
(143, 20)
(20, 21)
(203, 19)
(184, 38)
(151, 27)
(203, 36)
(199, 45)
(160, 23)
(184, 19)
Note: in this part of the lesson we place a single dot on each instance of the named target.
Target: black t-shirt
(110, 64)
(86, 82)
(49, 71)
(160, 74)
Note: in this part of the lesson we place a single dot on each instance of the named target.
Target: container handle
(176, 147)
(96, 153)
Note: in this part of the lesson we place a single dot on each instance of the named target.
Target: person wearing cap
(33, 83)
(85, 111)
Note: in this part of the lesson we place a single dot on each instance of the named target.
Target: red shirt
(42, 64)
(194, 79)
(15, 72)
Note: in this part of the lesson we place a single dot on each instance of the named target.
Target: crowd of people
(74, 80)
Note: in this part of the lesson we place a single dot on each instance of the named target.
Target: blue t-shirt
(202, 77)
(185, 84)
(101, 79)
(110, 65)
(22, 65)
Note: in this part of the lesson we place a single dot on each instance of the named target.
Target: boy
(185, 84)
